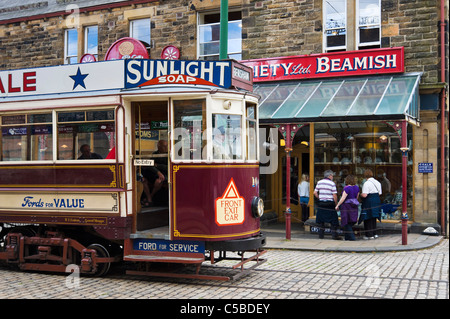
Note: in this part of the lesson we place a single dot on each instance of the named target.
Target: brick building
(38, 33)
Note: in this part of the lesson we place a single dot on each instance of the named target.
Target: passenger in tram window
(86, 153)
(219, 147)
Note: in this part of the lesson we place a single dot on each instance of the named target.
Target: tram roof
(121, 77)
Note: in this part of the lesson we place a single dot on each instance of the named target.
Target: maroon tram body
(57, 210)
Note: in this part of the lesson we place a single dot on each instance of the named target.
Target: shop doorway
(299, 164)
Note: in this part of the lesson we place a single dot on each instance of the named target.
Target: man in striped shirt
(326, 193)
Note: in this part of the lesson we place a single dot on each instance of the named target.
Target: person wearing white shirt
(303, 194)
(371, 205)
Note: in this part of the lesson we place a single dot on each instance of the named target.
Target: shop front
(346, 111)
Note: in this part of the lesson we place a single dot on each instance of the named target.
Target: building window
(71, 46)
(209, 36)
(140, 30)
(335, 31)
(91, 41)
(344, 30)
(369, 24)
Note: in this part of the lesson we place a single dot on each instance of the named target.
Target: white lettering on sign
(230, 208)
(325, 64)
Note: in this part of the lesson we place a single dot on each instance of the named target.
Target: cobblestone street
(287, 274)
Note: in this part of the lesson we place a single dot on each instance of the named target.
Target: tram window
(26, 137)
(227, 136)
(251, 132)
(93, 128)
(189, 127)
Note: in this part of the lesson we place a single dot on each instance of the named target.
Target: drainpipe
(223, 44)
(443, 97)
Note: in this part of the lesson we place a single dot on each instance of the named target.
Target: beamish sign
(336, 64)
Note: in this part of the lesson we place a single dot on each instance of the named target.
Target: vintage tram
(153, 162)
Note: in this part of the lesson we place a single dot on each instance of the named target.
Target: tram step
(152, 217)
(166, 259)
(156, 233)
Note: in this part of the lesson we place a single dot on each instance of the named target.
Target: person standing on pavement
(303, 194)
(348, 205)
(326, 193)
(371, 205)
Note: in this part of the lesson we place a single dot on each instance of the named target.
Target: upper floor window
(91, 40)
(335, 25)
(345, 31)
(140, 30)
(209, 36)
(71, 46)
(369, 24)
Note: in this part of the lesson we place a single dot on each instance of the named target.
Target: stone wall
(270, 28)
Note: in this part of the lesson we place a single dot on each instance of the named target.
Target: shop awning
(341, 99)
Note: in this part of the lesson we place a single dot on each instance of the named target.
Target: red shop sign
(126, 48)
(336, 64)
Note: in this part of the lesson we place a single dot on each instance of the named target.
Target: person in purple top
(348, 205)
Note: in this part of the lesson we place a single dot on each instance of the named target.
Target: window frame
(325, 29)
(131, 31)
(200, 23)
(67, 57)
(29, 137)
(358, 43)
(55, 135)
(86, 41)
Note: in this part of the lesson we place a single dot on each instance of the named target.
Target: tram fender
(244, 244)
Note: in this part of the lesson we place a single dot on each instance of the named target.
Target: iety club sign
(337, 64)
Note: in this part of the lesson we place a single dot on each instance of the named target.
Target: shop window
(96, 129)
(71, 46)
(140, 30)
(340, 22)
(209, 36)
(189, 125)
(91, 41)
(26, 137)
(351, 147)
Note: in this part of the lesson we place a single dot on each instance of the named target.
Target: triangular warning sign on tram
(230, 208)
(231, 191)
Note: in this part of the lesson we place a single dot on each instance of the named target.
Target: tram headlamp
(257, 207)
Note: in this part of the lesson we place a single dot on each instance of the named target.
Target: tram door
(151, 164)
(299, 158)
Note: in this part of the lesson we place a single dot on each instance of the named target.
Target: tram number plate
(144, 162)
(173, 246)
